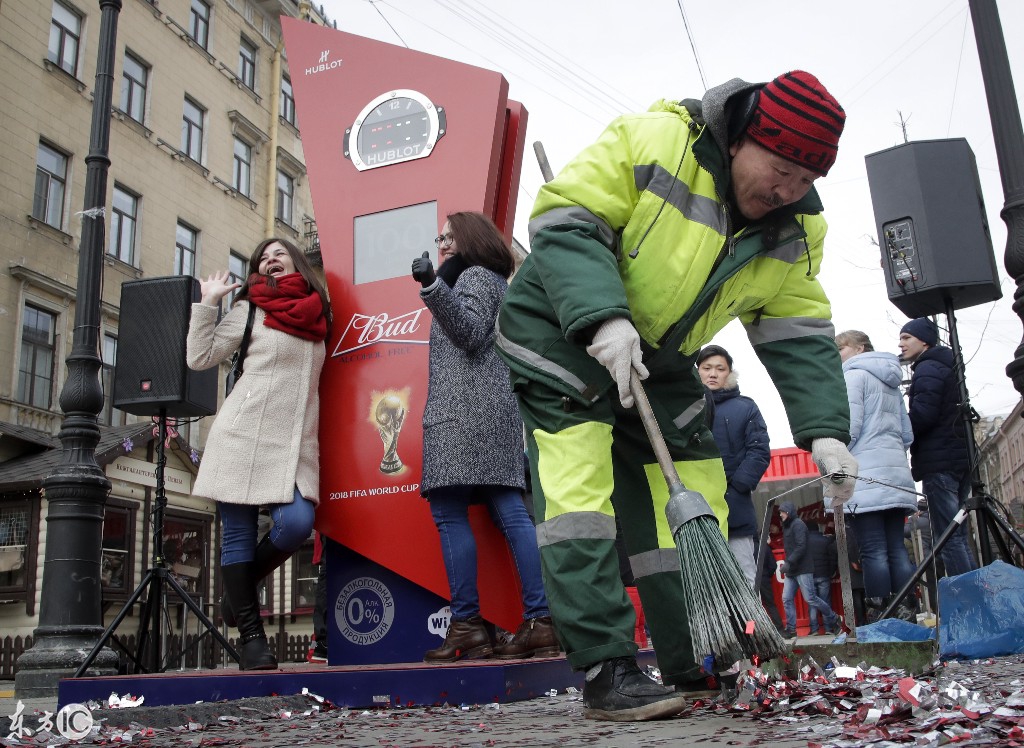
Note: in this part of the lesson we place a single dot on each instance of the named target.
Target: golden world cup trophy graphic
(389, 412)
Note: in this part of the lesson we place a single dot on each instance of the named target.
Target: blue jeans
(883, 554)
(806, 584)
(292, 525)
(946, 493)
(450, 507)
(823, 589)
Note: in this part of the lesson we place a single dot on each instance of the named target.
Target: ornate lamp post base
(59, 653)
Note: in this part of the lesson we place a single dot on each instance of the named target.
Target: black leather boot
(535, 637)
(240, 581)
(466, 640)
(267, 558)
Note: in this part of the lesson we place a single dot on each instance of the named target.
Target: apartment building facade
(206, 160)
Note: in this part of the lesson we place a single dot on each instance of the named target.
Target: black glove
(423, 270)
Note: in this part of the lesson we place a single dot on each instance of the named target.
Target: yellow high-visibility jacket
(638, 226)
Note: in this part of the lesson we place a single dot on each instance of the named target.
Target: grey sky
(576, 64)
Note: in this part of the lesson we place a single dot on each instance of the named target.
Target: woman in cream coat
(263, 448)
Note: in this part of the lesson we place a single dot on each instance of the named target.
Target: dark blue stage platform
(354, 686)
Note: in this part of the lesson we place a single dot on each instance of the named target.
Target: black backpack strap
(244, 348)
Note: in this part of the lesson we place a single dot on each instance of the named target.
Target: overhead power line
(693, 45)
(601, 120)
(393, 29)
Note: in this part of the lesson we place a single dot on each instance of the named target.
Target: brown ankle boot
(535, 637)
(466, 640)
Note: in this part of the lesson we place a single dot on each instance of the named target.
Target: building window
(51, 180)
(124, 217)
(242, 175)
(285, 197)
(38, 351)
(65, 36)
(199, 23)
(238, 271)
(287, 101)
(184, 428)
(185, 243)
(118, 539)
(186, 542)
(110, 416)
(304, 574)
(134, 78)
(247, 63)
(192, 130)
(14, 538)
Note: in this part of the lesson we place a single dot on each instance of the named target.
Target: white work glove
(832, 456)
(616, 345)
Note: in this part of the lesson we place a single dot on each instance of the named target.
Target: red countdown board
(394, 140)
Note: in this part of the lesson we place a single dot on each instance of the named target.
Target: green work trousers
(595, 464)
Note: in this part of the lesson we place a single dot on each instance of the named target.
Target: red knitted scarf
(291, 306)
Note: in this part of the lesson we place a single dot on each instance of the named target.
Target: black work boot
(466, 640)
(618, 691)
(535, 637)
(254, 651)
(267, 558)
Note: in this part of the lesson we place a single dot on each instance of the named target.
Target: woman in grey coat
(263, 448)
(880, 434)
(473, 437)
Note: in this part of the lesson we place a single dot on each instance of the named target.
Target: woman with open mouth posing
(263, 449)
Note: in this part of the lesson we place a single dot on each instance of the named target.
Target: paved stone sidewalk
(293, 721)
(970, 703)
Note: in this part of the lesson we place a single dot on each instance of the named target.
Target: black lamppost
(70, 614)
(1006, 128)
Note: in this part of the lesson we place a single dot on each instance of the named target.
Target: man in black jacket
(938, 456)
(799, 572)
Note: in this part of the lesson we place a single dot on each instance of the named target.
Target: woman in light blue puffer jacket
(880, 434)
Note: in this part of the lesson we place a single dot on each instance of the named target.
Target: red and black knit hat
(797, 118)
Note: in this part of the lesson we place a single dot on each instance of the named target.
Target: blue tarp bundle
(893, 630)
(982, 612)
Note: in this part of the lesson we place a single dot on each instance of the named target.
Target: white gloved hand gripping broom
(727, 620)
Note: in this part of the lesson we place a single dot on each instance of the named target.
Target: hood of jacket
(939, 353)
(716, 106)
(728, 392)
(789, 508)
(882, 365)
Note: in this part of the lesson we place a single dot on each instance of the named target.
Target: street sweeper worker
(673, 223)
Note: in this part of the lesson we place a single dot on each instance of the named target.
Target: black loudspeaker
(932, 228)
(151, 374)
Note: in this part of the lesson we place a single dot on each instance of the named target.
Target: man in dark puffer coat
(742, 437)
(938, 456)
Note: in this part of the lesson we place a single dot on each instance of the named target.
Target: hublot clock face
(397, 126)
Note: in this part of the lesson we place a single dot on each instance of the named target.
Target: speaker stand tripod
(987, 514)
(153, 583)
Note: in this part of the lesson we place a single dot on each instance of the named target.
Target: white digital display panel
(386, 243)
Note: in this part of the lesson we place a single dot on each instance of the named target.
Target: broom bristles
(718, 600)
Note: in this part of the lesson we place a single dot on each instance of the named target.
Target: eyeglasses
(445, 240)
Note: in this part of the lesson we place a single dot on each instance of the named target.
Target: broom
(727, 621)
